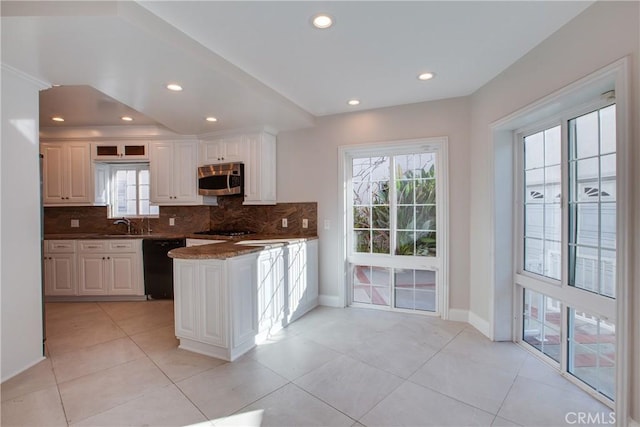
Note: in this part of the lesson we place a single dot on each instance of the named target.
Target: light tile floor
(117, 363)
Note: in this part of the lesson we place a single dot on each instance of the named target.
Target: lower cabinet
(271, 291)
(215, 305)
(94, 268)
(287, 284)
(302, 278)
(108, 274)
(60, 268)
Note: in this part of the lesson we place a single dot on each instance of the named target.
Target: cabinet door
(297, 279)
(124, 274)
(241, 281)
(212, 152)
(226, 150)
(270, 291)
(185, 298)
(115, 151)
(53, 170)
(213, 302)
(312, 272)
(260, 170)
(79, 173)
(93, 274)
(161, 172)
(185, 184)
(235, 149)
(60, 274)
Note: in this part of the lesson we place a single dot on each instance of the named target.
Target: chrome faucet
(126, 221)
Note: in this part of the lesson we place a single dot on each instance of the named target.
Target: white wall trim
(110, 133)
(481, 325)
(21, 370)
(40, 84)
(458, 315)
(330, 301)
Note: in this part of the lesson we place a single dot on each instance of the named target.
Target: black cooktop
(229, 233)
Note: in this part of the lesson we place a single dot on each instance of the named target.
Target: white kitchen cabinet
(110, 267)
(120, 151)
(66, 168)
(215, 305)
(271, 291)
(287, 284)
(260, 170)
(224, 150)
(258, 153)
(173, 171)
(59, 268)
(302, 278)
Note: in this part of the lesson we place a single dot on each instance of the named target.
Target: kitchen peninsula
(229, 295)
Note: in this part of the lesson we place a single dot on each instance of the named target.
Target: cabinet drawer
(93, 245)
(60, 246)
(130, 245)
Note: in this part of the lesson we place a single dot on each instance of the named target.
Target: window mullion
(565, 174)
(392, 226)
(392, 205)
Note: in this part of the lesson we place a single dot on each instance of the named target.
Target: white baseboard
(481, 325)
(457, 315)
(21, 370)
(329, 301)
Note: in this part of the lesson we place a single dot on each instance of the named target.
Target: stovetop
(229, 233)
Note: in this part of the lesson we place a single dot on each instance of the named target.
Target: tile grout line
(127, 336)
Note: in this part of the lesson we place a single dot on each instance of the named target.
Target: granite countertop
(232, 248)
(229, 248)
(90, 236)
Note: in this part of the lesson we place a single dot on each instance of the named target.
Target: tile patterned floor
(117, 363)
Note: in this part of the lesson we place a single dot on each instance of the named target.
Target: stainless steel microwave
(221, 180)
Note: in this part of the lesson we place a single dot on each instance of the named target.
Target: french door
(566, 277)
(396, 225)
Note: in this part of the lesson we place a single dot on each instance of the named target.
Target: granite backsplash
(229, 214)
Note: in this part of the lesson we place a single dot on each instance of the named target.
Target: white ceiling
(257, 64)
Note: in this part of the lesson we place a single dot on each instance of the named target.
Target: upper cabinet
(260, 170)
(173, 171)
(225, 150)
(258, 153)
(66, 170)
(119, 151)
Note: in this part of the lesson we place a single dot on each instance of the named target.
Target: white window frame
(616, 77)
(561, 290)
(439, 264)
(113, 169)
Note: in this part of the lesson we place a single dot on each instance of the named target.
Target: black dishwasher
(158, 267)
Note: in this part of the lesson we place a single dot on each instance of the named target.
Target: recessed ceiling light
(426, 76)
(211, 119)
(174, 87)
(57, 119)
(353, 102)
(127, 118)
(322, 21)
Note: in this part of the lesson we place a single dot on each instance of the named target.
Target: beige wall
(308, 171)
(604, 33)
